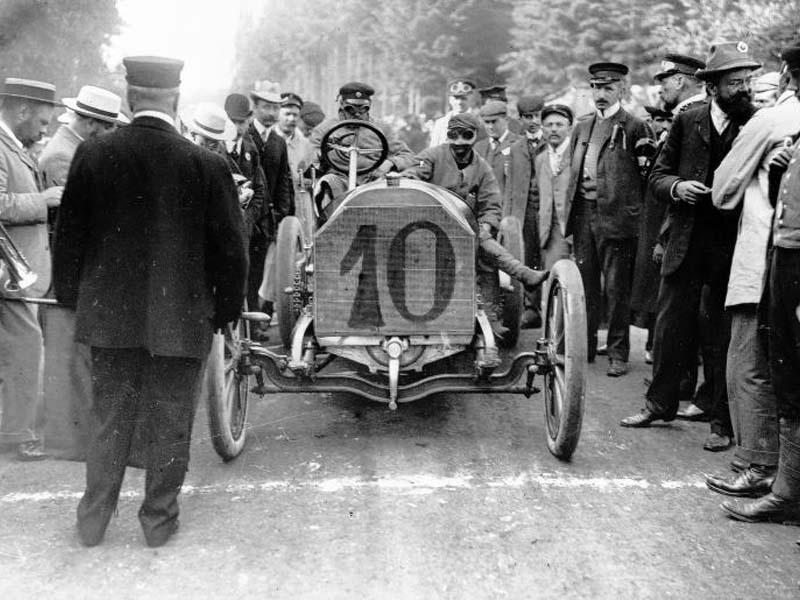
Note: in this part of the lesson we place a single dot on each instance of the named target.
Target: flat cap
(494, 108)
(678, 63)
(465, 120)
(30, 89)
(494, 92)
(312, 114)
(461, 86)
(237, 107)
(530, 104)
(728, 56)
(291, 99)
(153, 71)
(356, 93)
(607, 72)
(791, 56)
(658, 113)
(558, 109)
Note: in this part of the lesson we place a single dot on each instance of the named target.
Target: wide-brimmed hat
(30, 89)
(210, 120)
(727, 56)
(96, 103)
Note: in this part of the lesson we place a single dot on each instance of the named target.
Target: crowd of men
(163, 227)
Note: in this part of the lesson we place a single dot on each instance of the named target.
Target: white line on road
(402, 484)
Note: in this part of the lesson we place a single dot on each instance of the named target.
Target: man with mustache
(700, 241)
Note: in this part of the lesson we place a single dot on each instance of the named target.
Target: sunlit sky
(201, 32)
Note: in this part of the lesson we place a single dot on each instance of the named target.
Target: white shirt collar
(262, 131)
(10, 133)
(691, 99)
(75, 133)
(499, 140)
(534, 136)
(718, 117)
(234, 146)
(609, 112)
(156, 114)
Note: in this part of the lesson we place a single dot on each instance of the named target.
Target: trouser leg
(258, 253)
(168, 387)
(752, 403)
(616, 257)
(588, 261)
(715, 341)
(787, 480)
(673, 347)
(21, 372)
(116, 376)
(533, 255)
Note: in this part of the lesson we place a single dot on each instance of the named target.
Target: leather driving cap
(464, 121)
(153, 71)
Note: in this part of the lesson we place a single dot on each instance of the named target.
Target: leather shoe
(769, 508)
(532, 279)
(617, 368)
(717, 443)
(738, 465)
(162, 534)
(531, 319)
(752, 482)
(693, 413)
(643, 419)
(31, 451)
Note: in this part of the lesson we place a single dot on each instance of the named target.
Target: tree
(59, 42)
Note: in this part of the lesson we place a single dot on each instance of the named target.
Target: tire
(226, 393)
(288, 265)
(565, 383)
(512, 301)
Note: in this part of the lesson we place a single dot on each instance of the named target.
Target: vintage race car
(382, 301)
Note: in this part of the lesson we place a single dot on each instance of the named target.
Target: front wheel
(226, 392)
(565, 382)
(289, 263)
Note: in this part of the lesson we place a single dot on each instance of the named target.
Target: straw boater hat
(210, 120)
(29, 89)
(96, 103)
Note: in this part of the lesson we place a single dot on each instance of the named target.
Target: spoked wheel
(510, 236)
(227, 392)
(289, 265)
(565, 382)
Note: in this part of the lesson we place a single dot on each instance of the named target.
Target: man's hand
(52, 196)
(782, 158)
(381, 171)
(691, 191)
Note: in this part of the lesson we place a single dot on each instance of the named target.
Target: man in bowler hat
(149, 248)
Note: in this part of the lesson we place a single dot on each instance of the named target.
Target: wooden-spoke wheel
(227, 392)
(565, 381)
(289, 265)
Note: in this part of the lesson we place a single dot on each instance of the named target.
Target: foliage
(57, 41)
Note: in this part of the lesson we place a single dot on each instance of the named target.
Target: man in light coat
(743, 181)
(27, 107)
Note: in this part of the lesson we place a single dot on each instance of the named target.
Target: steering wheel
(341, 146)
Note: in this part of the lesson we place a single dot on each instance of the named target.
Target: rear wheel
(289, 263)
(565, 382)
(511, 300)
(227, 392)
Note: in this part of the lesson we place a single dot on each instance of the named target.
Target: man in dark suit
(280, 194)
(149, 248)
(606, 189)
(700, 242)
(495, 149)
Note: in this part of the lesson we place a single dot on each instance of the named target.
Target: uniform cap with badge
(558, 109)
(674, 64)
(291, 99)
(601, 73)
(153, 71)
(494, 92)
(727, 56)
(355, 93)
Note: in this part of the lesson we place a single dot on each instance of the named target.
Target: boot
(501, 258)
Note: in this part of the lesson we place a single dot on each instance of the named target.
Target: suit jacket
(522, 194)
(619, 184)
(685, 156)
(552, 193)
(149, 242)
(57, 156)
(248, 164)
(500, 161)
(23, 212)
(280, 190)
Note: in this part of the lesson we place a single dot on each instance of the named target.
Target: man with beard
(457, 167)
(700, 242)
(606, 191)
(680, 88)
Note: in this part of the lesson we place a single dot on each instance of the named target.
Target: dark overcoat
(683, 157)
(619, 182)
(280, 189)
(149, 242)
(248, 164)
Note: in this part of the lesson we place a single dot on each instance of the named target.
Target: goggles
(460, 88)
(456, 133)
(356, 109)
